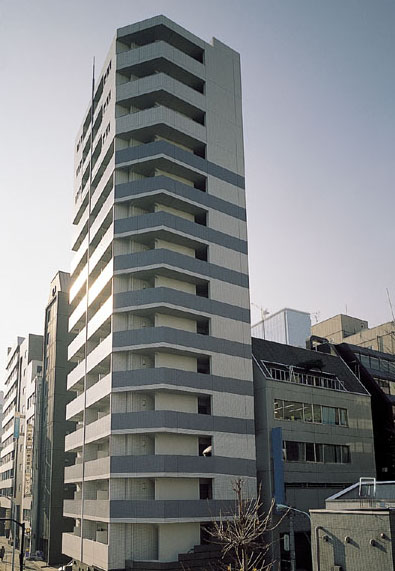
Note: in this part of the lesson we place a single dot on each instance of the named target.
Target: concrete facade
(356, 530)
(355, 331)
(313, 434)
(160, 326)
(23, 373)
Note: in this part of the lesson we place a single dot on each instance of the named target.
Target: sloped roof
(287, 355)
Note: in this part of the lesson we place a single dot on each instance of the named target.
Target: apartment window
(307, 412)
(316, 452)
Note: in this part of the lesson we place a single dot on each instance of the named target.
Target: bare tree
(243, 532)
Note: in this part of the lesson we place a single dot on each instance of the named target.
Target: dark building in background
(51, 427)
(376, 371)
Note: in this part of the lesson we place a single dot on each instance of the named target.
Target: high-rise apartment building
(50, 429)
(23, 368)
(159, 301)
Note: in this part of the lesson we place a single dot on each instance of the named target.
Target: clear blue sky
(319, 120)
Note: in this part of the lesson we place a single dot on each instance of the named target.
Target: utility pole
(292, 555)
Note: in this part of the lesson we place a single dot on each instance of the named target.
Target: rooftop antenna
(264, 312)
(316, 315)
(392, 309)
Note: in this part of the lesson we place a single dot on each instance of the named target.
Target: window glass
(317, 413)
(343, 417)
(328, 415)
(365, 360)
(329, 453)
(338, 454)
(308, 412)
(310, 455)
(293, 410)
(346, 459)
(384, 365)
(319, 452)
(374, 363)
(294, 451)
(278, 409)
(391, 367)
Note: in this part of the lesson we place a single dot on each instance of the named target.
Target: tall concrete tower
(159, 301)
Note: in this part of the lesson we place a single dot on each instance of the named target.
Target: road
(6, 564)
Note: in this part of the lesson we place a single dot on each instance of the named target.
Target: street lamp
(291, 511)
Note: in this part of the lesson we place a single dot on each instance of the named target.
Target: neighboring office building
(161, 347)
(23, 366)
(51, 427)
(288, 326)
(2, 509)
(376, 372)
(355, 531)
(313, 433)
(355, 331)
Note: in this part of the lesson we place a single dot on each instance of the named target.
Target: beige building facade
(355, 331)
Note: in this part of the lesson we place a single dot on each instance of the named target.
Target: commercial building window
(307, 412)
(316, 452)
(295, 375)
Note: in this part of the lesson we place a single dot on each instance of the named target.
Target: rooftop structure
(288, 326)
(355, 531)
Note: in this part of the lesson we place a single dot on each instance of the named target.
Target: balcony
(75, 407)
(79, 230)
(76, 375)
(163, 82)
(71, 545)
(98, 509)
(98, 391)
(160, 56)
(105, 211)
(78, 283)
(77, 314)
(73, 474)
(106, 179)
(72, 508)
(102, 280)
(100, 317)
(151, 118)
(101, 248)
(96, 552)
(94, 324)
(77, 258)
(74, 440)
(98, 429)
(99, 468)
(99, 353)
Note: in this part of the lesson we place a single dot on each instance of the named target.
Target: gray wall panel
(160, 335)
(183, 464)
(178, 378)
(165, 148)
(155, 219)
(151, 184)
(170, 419)
(187, 300)
(161, 256)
